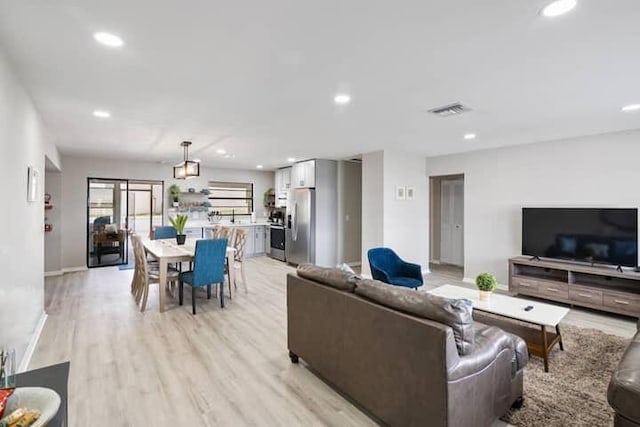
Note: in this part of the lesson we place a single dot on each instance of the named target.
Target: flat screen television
(602, 236)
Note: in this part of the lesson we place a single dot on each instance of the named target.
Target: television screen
(607, 236)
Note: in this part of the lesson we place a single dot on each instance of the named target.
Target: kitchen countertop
(206, 224)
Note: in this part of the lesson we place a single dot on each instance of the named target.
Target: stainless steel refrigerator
(301, 226)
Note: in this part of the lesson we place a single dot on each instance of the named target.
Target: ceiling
(257, 78)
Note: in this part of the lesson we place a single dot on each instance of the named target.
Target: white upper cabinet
(286, 178)
(283, 184)
(303, 174)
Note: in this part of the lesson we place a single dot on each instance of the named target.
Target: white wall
(23, 143)
(406, 222)
(349, 211)
(402, 225)
(595, 171)
(74, 193)
(372, 204)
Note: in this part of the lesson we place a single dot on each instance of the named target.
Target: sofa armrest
(624, 388)
(490, 341)
(408, 269)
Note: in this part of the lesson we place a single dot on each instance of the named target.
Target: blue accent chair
(164, 232)
(208, 269)
(387, 267)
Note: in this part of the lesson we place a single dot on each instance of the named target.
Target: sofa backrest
(457, 314)
(392, 363)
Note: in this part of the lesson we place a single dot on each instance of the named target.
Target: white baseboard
(354, 264)
(426, 271)
(28, 354)
(74, 269)
(64, 271)
(435, 261)
(53, 273)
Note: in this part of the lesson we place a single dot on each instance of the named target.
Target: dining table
(167, 251)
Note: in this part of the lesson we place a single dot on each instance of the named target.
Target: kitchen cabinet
(193, 233)
(257, 243)
(282, 186)
(303, 174)
(250, 245)
(259, 236)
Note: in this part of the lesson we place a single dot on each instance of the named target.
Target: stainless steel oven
(277, 241)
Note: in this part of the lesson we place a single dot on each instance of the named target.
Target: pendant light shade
(187, 168)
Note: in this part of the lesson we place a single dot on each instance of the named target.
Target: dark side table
(55, 377)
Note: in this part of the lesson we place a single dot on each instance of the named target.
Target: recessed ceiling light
(558, 7)
(469, 136)
(630, 107)
(221, 151)
(342, 99)
(291, 159)
(108, 39)
(259, 166)
(102, 114)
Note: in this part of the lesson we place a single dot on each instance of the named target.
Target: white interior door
(452, 222)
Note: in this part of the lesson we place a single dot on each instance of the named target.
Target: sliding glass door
(116, 207)
(106, 222)
(145, 206)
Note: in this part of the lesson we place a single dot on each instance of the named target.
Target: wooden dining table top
(168, 248)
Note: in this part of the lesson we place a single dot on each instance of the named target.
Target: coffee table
(508, 313)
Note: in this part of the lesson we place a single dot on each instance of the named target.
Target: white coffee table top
(503, 305)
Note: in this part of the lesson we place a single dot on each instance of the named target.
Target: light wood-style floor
(222, 367)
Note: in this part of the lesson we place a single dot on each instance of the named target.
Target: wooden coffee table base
(539, 340)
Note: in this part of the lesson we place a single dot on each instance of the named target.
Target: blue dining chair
(208, 269)
(164, 232)
(387, 267)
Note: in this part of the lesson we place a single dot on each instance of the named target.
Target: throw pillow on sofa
(456, 314)
(333, 277)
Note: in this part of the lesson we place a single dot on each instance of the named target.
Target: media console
(600, 288)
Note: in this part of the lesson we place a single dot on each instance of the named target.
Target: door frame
(127, 181)
(435, 217)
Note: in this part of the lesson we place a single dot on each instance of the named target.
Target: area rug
(574, 391)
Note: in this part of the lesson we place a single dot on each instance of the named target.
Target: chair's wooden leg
(222, 295)
(208, 291)
(145, 294)
(181, 292)
(244, 277)
(193, 299)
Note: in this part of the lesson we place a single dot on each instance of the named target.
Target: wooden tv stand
(600, 288)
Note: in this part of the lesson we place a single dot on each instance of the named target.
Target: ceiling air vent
(450, 110)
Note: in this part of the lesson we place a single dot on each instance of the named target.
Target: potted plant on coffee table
(178, 222)
(486, 283)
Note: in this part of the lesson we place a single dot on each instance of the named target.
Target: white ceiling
(257, 78)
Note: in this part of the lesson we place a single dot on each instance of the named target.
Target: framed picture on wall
(411, 193)
(401, 193)
(33, 184)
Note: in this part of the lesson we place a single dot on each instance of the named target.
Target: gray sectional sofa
(406, 357)
(624, 387)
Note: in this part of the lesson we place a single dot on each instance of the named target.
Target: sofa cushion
(456, 314)
(333, 277)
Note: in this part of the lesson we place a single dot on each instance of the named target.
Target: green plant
(178, 222)
(269, 198)
(175, 192)
(486, 282)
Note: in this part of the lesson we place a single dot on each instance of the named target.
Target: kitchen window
(231, 197)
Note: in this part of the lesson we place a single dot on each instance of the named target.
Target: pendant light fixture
(188, 168)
